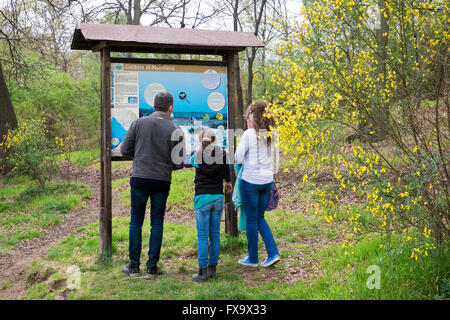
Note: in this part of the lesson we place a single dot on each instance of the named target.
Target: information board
(199, 92)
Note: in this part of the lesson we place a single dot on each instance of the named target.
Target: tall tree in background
(257, 17)
(276, 11)
(21, 30)
(34, 38)
(247, 17)
(44, 28)
(257, 9)
(8, 118)
(134, 10)
(232, 8)
(168, 12)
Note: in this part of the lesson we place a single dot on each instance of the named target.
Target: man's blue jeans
(208, 228)
(254, 199)
(139, 200)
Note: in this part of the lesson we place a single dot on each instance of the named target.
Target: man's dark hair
(163, 100)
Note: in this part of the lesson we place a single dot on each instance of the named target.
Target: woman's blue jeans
(208, 219)
(139, 200)
(254, 199)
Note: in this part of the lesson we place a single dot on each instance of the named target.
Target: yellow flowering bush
(30, 152)
(366, 104)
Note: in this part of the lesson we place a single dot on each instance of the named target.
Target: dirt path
(13, 265)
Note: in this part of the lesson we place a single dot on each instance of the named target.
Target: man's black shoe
(151, 272)
(131, 271)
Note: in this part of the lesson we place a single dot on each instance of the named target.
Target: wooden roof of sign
(132, 38)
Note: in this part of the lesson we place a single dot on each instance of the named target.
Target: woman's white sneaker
(270, 261)
(246, 262)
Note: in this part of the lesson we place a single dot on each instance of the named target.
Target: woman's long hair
(261, 119)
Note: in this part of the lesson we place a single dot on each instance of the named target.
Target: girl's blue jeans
(208, 219)
(254, 199)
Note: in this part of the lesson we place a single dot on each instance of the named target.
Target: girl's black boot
(201, 276)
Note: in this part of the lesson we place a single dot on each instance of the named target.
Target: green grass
(178, 260)
(82, 158)
(181, 190)
(305, 242)
(178, 253)
(86, 158)
(400, 277)
(26, 210)
(341, 276)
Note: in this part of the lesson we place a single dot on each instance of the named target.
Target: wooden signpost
(126, 38)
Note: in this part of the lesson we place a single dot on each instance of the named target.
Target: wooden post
(102, 154)
(105, 219)
(230, 212)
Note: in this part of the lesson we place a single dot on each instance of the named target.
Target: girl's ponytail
(206, 137)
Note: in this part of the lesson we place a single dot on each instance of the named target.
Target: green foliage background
(69, 103)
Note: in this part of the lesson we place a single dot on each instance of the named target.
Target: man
(157, 145)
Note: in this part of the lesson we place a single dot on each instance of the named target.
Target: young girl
(210, 162)
(253, 151)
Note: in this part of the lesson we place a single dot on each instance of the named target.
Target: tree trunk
(240, 99)
(137, 12)
(8, 118)
(251, 58)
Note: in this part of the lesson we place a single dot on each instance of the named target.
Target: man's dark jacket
(156, 144)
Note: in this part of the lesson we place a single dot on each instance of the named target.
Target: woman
(254, 152)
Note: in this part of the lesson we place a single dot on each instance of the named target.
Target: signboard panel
(199, 92)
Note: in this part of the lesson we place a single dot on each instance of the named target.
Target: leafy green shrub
(31, 153)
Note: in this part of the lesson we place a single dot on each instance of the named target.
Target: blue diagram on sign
(199, 92)
(190, 95)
